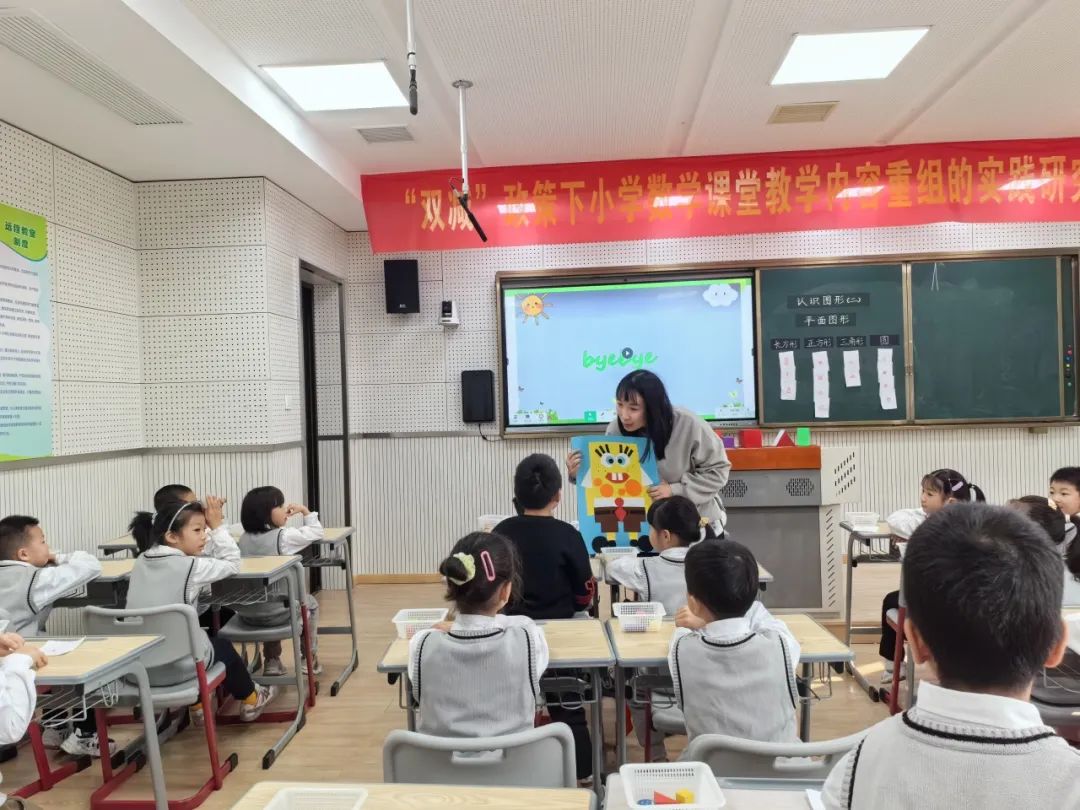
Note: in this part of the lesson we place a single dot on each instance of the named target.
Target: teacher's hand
(573, 463)
(660, 491)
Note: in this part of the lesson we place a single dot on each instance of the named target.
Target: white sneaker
(316, 665)
(249, 712)
(77, 745)
(273, 667)
(53, 737)
(886, 675)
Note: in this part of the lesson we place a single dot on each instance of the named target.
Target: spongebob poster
(613, 489)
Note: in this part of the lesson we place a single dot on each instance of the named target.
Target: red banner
(991, 181)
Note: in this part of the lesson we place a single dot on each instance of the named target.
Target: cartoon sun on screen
(617, 490)
(533, 306)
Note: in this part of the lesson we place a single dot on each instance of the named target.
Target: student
(182, 560)
(557, 579)
(937, 490)
(983, 590)
(32, 577)
(674, 524)
(690, 457)
(1045, 512)
(263, 515)
(18, 697)
(181, 492)
(1065, 492)
(732, 663)
(481, 676)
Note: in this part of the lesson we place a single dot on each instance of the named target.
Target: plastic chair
(734, 760)
(895, 618)
(184, 642)
(539, 758)
(1056, 694)
(240, 632)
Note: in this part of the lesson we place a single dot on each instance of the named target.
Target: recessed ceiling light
(859, 191)
(846, 57)
(360, 86)
(1026, 184)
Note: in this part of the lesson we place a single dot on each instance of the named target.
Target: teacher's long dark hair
(659, 415)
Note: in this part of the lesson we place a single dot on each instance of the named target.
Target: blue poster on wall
(613, 489)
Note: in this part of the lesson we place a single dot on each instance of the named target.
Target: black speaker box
(402, 279)
(477, 397)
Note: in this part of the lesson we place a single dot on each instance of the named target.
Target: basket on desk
(313, 798)
(639, 617)
(411, 621)
(640, 782)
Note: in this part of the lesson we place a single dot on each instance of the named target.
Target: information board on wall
(25, 336)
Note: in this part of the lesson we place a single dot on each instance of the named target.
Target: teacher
(689, 455)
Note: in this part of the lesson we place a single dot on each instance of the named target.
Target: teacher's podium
(785, 504)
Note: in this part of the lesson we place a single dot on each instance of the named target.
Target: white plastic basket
(639, 617)
(642, 781)
(322, 798)
(864, 521)
(411, 621)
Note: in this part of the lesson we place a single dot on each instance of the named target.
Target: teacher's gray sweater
(695, 463)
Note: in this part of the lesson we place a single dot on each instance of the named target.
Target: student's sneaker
(78, 745)
(197, 715)
(886, 675)
(249, 712)
(53, 738)
(316, 665)
(273, 667)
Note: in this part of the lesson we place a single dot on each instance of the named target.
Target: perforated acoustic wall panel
(297, 230)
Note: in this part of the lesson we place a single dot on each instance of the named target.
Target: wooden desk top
(93, 655)
(116, 569)
(600, 562)
(883, 530)
(417, 797)
(123, 541)
(651, 649)
(572, 642)
(255, 567)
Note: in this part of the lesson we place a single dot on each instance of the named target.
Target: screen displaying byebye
(567, 346)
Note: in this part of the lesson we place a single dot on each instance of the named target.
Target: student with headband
(480, 675)
(182, 559)
(938, 489)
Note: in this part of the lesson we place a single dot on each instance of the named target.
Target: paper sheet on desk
(61, 646)
(813, 798)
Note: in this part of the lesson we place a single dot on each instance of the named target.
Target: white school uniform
(656, 579)
(27, 592)
(18, 697)
(903, 522)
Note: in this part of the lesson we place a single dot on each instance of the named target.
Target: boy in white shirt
(732, 663)
(983, 587)
(18, 697)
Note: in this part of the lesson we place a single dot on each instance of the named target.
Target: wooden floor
(343, 737)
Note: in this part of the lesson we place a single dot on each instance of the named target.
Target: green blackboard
(990, 339)
(857, 310)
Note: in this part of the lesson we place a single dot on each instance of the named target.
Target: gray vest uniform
(917, 760)
(476, 685)
(264, 614)
(158, 580)
(743, 688)
(665, 582)
(16, 597)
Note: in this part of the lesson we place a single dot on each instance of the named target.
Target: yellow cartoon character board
(613, 494)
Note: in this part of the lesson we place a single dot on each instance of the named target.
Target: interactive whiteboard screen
(567, 346)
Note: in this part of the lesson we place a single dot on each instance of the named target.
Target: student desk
(638, 650)
(335, 551)
(80, 679)
(573, 644)
(109, 589)
(124, 544)
(735, 798)
(252, 586)
(418, 797)
(874, 548)
(600, 562)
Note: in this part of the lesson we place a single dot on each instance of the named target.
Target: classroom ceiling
(555, 81)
